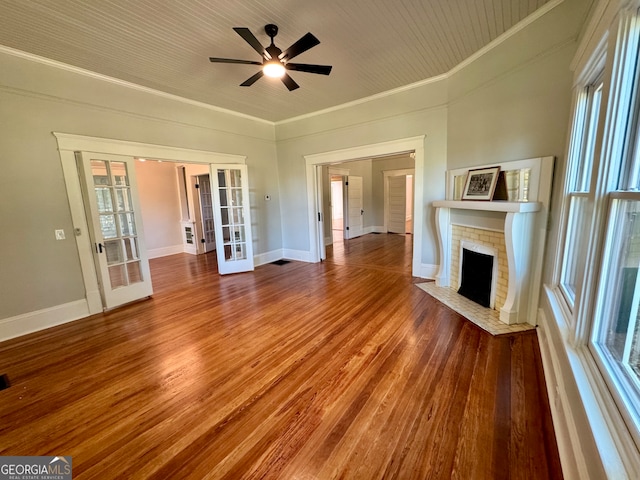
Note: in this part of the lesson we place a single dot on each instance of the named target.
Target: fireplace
(512, 232)
(478, 273)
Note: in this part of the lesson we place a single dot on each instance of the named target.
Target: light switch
(60, 235)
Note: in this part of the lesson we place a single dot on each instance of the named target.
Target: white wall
(160, 205)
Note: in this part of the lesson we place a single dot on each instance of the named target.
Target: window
(579, 182)
(616, 333)
(598, 275)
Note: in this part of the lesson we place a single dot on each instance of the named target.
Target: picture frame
(481, 183)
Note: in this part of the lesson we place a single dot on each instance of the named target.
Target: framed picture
(481, 183)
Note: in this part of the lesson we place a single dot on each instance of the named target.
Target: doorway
(399, 201)
(314, 163)
(229, 180)
(337, 207)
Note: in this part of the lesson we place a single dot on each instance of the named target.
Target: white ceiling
(374, 45)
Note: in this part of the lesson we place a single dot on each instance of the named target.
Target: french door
(113, 214)
(232, 219)
(207, 228)
(355, 207)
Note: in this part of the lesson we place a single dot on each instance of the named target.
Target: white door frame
(68, 144)
(405, 145)
(396, 173)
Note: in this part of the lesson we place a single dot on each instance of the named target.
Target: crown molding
(123, 83)
(487, 48)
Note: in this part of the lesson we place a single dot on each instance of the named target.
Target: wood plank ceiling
(373, 45)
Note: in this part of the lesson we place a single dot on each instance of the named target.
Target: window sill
(618, 455)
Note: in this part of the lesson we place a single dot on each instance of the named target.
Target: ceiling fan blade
(232, 60)
(252, 40)
(305, 67)
(289, 82)
(250, 81)
(305, 43)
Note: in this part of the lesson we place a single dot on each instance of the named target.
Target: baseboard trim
(299, 255)
(165, 251)
(26, 323)
(555, 390)
(428, 271)
(268, 257)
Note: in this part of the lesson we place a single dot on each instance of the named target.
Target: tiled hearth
(485, 318)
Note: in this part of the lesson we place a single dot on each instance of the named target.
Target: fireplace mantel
(518, 226)
(495, 206)
(523, 225)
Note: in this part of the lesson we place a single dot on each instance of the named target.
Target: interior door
(232, 218)
(113, 212)
(208, 235)
(355, 207)
(397, 204)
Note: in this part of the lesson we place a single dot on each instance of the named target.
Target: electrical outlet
(60, 235)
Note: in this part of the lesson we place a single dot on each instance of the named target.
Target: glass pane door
(115, 214)
(233, 227)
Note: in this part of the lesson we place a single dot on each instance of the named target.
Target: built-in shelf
(494, 206)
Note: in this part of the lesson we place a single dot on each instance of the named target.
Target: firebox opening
(477, 277)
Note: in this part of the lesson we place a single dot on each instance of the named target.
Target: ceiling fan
(275, 61)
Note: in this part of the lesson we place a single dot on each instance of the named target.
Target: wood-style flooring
(337, 370)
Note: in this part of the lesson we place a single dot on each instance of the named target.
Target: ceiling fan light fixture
(273, 69)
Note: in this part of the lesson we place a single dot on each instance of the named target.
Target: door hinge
(347, 228)
(319, 217)
(202, 240)
(197, 185)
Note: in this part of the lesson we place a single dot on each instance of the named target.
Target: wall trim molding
(165, 251)
(428, 271)
(83, 143)
(31, 322)
(299, 255)
(546, 8)
(601, 447)
(134, 86)
(549, 6)
(268, 257)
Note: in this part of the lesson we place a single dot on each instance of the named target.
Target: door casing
(68, 144)
(314, 189)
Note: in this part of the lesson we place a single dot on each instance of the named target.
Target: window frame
(616, 431)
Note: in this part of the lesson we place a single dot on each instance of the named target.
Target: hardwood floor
(342, 369)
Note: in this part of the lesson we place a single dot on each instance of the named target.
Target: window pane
(113, 249)
(134, 272)
(119, 172)
(576, 244)
(235, 179)
(108, 226)
(100, 172)
(585, 162)
(103, 199)
(617, 334)
(117, 276)
(131, 248)
(123, 196)
(127, 224)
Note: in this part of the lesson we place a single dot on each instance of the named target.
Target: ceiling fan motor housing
(271, 30)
